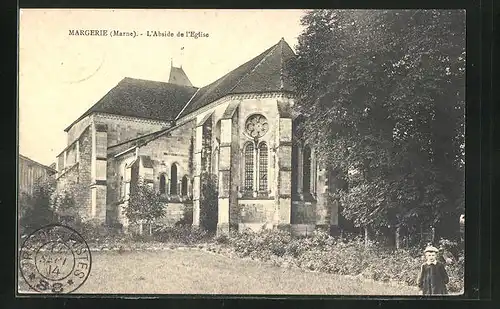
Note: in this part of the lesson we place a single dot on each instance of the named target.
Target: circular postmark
(55, 259)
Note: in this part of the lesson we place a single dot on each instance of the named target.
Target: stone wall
(171, 148)
(303, 212)
(268, 108)
(86, 170)
(121, 129)
(256, 213)
(175, 212)
(77, 178)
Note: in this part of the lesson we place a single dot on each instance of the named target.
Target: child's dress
(433, 279)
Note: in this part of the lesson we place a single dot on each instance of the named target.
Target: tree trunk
(398, 242)
(150, 228)
(140, 228)
(366, 237)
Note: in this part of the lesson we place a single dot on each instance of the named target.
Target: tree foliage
(48, 204)
(35, 210)
(384, 96)
(145, 205)
(64, 204)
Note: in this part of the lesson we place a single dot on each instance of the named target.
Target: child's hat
(431, 249)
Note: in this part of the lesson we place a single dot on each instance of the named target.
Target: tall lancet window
(249, 153)
(306, 179)
(173, 179)
(263, 159)
(184, 186)
(163, 184)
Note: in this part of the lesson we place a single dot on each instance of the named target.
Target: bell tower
(178, 76)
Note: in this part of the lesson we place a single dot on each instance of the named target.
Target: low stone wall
(254, 212)
(302, 229)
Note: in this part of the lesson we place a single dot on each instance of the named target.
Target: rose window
(256, 126)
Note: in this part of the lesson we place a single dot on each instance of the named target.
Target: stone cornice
(130, 118)
(234, 97)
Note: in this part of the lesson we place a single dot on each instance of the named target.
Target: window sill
(251, 195)
(306, 197)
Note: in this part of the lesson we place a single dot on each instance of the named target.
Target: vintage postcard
(269, 152)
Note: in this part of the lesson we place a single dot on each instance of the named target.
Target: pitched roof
(179, 77)
(169, 101)
(264, 73)
(143, 99)
(48, 168)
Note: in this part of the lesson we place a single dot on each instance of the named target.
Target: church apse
(238, 129)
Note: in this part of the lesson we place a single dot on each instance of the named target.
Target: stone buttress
(98, 186)
(228, 218)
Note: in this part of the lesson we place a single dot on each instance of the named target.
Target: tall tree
(383, 92)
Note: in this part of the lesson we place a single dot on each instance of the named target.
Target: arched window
(263, 157)
(173, 179)
(184, 186)
(306, 178)
(249, 153)
(163, 184)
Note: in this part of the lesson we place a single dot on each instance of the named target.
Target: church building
(239, 128)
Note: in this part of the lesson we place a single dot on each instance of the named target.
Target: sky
(61, 76)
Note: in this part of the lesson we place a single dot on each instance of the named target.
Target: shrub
(96, 232)
(321, 252)
(453, 247)
(179, 234)
(35, 210)
(222, 239)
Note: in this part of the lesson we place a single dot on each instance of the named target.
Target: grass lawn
(193, 271)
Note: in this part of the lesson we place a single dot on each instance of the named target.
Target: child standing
(433, 277)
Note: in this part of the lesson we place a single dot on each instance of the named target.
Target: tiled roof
(169, 101)
(143, 99)
(264, 73)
